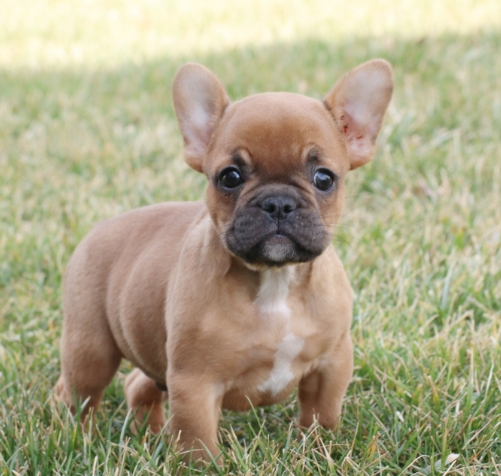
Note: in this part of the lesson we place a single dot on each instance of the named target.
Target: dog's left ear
(199, 100)
(358, 103)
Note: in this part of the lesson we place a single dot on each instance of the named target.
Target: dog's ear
(199, 100)
(358, 102)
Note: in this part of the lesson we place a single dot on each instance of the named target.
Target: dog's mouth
(276, 247)
(276, 227)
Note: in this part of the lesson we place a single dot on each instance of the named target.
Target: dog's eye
(230, 178)
(323, 180)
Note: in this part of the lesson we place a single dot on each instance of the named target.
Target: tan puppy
(235, 301)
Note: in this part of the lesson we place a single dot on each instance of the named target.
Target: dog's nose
(278, 207)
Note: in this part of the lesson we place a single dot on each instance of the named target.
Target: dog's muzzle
(277, 229)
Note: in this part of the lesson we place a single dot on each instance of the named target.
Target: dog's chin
(275, 251)
(278, 249)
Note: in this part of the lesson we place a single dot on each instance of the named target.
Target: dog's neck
(274, 289)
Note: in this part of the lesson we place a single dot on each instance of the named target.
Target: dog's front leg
(321, 392)
(195, 408)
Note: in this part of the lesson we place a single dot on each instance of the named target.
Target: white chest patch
(274, 290)
(272, 301)
(281, 374)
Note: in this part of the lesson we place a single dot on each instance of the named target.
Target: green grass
(87, 130)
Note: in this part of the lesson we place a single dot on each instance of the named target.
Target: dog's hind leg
(89, 359)
(146, 400)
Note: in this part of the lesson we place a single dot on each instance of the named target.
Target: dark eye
(230, 177)
(323, 179)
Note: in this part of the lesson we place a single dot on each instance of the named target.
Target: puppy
(231, 302)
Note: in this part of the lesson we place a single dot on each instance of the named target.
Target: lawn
(87, 130)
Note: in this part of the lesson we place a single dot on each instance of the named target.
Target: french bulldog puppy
(237, 300)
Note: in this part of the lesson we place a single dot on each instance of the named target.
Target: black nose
(278, 207)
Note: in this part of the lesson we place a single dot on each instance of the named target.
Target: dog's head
(276, 162)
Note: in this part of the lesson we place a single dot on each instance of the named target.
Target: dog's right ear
(199, 100)
(357, 103)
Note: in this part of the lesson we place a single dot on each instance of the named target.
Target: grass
(87, 130)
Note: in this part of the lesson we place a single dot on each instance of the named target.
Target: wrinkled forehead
(284, 127)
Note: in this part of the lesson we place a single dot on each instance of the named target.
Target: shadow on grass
(310, 67)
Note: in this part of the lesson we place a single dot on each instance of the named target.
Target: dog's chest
(284, 343)
(272, 303)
